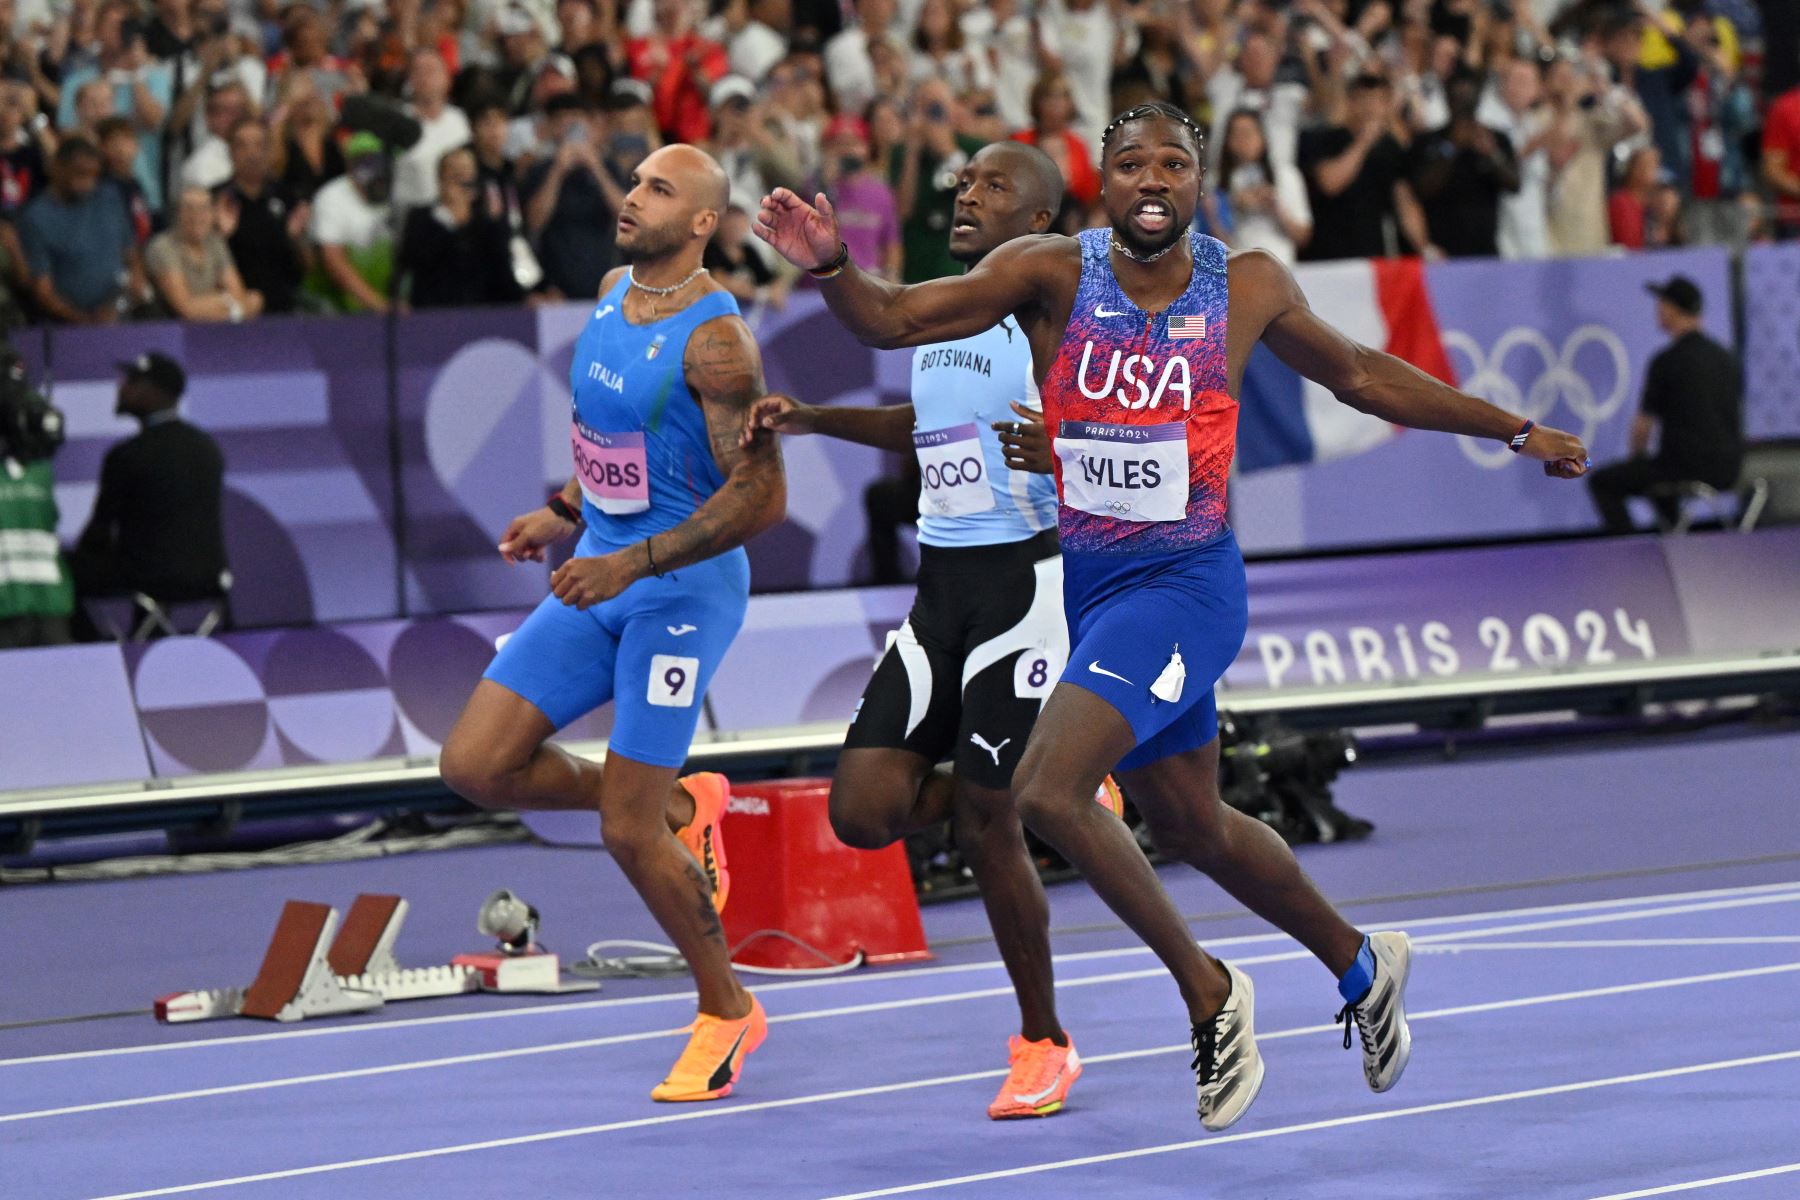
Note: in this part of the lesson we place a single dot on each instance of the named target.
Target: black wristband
(561, 508)
(651, 556)
(835, 266)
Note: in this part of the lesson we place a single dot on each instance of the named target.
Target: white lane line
(714, 1113)
(1617, 944)
(1425, 943)
(1787, 891)
(1312, 1126)
(1668, 1189)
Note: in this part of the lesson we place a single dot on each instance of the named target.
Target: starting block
(313, 968)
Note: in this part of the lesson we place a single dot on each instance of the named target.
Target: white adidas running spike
(1228, 1068)
(1380, 1017)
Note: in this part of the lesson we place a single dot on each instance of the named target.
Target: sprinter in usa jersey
(1140, 333)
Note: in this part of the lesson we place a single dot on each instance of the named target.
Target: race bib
(1128, 472)
(611, 468)
(953, 471)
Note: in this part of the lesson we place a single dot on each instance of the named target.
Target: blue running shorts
(651, 650)
(1128, 616)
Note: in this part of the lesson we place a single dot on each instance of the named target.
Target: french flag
(1379, 302)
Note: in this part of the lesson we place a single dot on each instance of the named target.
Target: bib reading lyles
(1127, 472)
(952, 471)
(611, 469)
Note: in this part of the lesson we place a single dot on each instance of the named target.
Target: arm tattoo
(724, 373)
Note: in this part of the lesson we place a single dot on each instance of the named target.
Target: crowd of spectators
(219, 159)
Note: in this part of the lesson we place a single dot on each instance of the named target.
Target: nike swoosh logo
(1100, 311)
(724, 1072)
(678, 630)
(1039, 1097)
(1097, 669)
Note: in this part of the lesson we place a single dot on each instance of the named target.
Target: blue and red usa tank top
(1140, 406)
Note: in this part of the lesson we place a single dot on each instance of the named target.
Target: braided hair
(1155, 109)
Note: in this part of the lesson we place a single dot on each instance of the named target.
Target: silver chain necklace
(1122, 248)
(631, 278)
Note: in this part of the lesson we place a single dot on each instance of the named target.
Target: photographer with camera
(35, 595)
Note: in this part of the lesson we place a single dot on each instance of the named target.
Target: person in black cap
(157, 526)
(1693, 406)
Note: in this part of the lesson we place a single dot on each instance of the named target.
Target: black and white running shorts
(964, 678)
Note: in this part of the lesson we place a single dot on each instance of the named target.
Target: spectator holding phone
(1266, 200)
(452, 253)
(24, 165)
(1460, 173)
(142, 89)
(1588, 117)
(681, 67)
(931, 163)
(572, 203)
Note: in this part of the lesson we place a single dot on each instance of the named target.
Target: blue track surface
(1617, 1037)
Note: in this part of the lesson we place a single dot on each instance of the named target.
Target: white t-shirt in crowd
(1084, 41)
(342, 216)
(1524, 214)
(1261, 231)
(753, 50)
(415, 170)
(208, 166)
(1281, 107)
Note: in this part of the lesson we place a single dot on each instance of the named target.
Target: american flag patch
(1187, 328)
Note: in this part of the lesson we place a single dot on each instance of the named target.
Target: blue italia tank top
(968, 495)
(638, 437)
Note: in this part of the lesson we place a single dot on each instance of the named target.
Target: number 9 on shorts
(672, 680)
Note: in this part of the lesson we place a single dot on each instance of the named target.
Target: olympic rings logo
(1557, 380)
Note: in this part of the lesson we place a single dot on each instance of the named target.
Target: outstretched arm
(1377, 383)
(724, 372)
(885, 426)
(888, 315)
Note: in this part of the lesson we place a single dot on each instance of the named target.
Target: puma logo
(993, 750)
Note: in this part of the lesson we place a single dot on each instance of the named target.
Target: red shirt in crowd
(1626, 213)
(1084, 181)
(1781, 133)
(679, 71)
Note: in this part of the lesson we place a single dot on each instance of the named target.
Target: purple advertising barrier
(474, 389)
(66, 719)
(1565, 342)
(357, 691)
(1772, 341)
(1322, 622)
(299, 407)
(330, 694)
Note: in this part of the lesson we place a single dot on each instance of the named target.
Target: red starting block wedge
(790, 873)
(307, 972)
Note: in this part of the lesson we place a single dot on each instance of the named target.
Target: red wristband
(562, 508)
